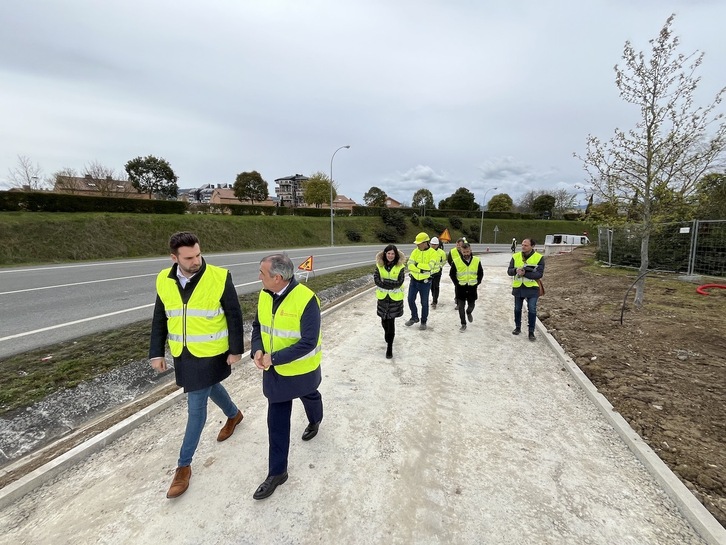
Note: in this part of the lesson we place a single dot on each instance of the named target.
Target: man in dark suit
(286, 345)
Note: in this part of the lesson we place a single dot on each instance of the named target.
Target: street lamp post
(481, 225)
(332, 239)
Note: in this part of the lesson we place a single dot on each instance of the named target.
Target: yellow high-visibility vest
(466, 274)
(200, 325)
(282, 329)
(420, 263)
(395, 294)
(519, 263)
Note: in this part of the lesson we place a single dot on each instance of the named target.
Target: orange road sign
(445, 236)
(306, 265)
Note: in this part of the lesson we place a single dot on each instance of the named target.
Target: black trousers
(461, 303)
(278, 428)
(435, 287)
(389, 329)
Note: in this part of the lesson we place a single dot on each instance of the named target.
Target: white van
(575, 240)
(555, 244)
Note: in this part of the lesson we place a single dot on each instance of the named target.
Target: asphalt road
(44, 305)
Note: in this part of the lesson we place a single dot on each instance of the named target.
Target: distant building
(290, 190)
(99, 187)
(341, 202)
(392, 203)
(225, 195)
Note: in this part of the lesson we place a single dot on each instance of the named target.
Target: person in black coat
(466, 294)
(200, 371)
(389, 276)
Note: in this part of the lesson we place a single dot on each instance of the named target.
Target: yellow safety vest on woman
(200, 324)
(520, 263)
(282, 329)
(396, 294)
(466, 275)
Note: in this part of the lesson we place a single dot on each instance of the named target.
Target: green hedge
(46, 201)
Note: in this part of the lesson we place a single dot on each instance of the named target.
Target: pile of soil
(663, 368)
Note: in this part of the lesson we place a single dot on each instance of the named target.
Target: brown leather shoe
(180, 483)
(228, 429)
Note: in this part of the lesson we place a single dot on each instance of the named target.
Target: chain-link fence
(695, 247)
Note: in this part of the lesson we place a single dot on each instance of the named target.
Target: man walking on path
(436, 271)
(419, 267)
(526, 267)
(454, 252)
(286, 345)
(197, 310)
(466, 273)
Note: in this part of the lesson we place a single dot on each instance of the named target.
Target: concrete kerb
(15, 490)
(693, 510)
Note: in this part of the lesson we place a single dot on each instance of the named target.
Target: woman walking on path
(389, 276)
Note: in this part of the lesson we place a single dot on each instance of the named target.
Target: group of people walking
(198, 314)
(425, 267)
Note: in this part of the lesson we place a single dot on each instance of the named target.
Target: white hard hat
(434, 240)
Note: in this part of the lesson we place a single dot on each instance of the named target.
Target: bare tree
(27, 175)
(564, 201)
(106, 180)
(670, 147)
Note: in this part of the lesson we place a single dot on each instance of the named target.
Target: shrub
(414, 219)
(456, 222)
(394, 220)
(387, 235)
(353, 235)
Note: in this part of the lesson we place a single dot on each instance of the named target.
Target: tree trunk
(640, 285)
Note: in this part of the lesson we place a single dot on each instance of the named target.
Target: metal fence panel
(695, 247)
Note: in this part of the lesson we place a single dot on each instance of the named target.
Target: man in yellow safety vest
(197, 310)
(286, 345)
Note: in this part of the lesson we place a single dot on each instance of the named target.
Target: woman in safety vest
(389, 277)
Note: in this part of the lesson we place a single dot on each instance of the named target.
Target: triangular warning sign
(445, 236)
(306, 265)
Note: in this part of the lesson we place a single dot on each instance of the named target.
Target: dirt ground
(663, 369)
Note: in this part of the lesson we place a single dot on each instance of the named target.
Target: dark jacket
(276, 387)
(387, 308)
(535, 274)
(466, 293)
(193, 373)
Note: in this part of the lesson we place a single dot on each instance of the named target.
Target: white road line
(76, 284)
(100, 316)
(90, 318)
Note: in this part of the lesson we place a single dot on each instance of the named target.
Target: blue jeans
(414, 288)
(197, 417)
(531, 311)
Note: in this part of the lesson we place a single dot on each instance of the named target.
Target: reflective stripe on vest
(466, 274)
(395, 294)
(519, 263)
(282, 329)
(200, 325)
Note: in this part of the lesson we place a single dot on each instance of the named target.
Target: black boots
(389, 350)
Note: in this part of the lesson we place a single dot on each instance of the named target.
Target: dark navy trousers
(278, 427)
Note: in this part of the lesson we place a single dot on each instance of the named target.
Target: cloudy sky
(435, 94)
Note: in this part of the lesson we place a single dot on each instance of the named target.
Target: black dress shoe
(516, 331)
(266, 489)
(311, 431)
